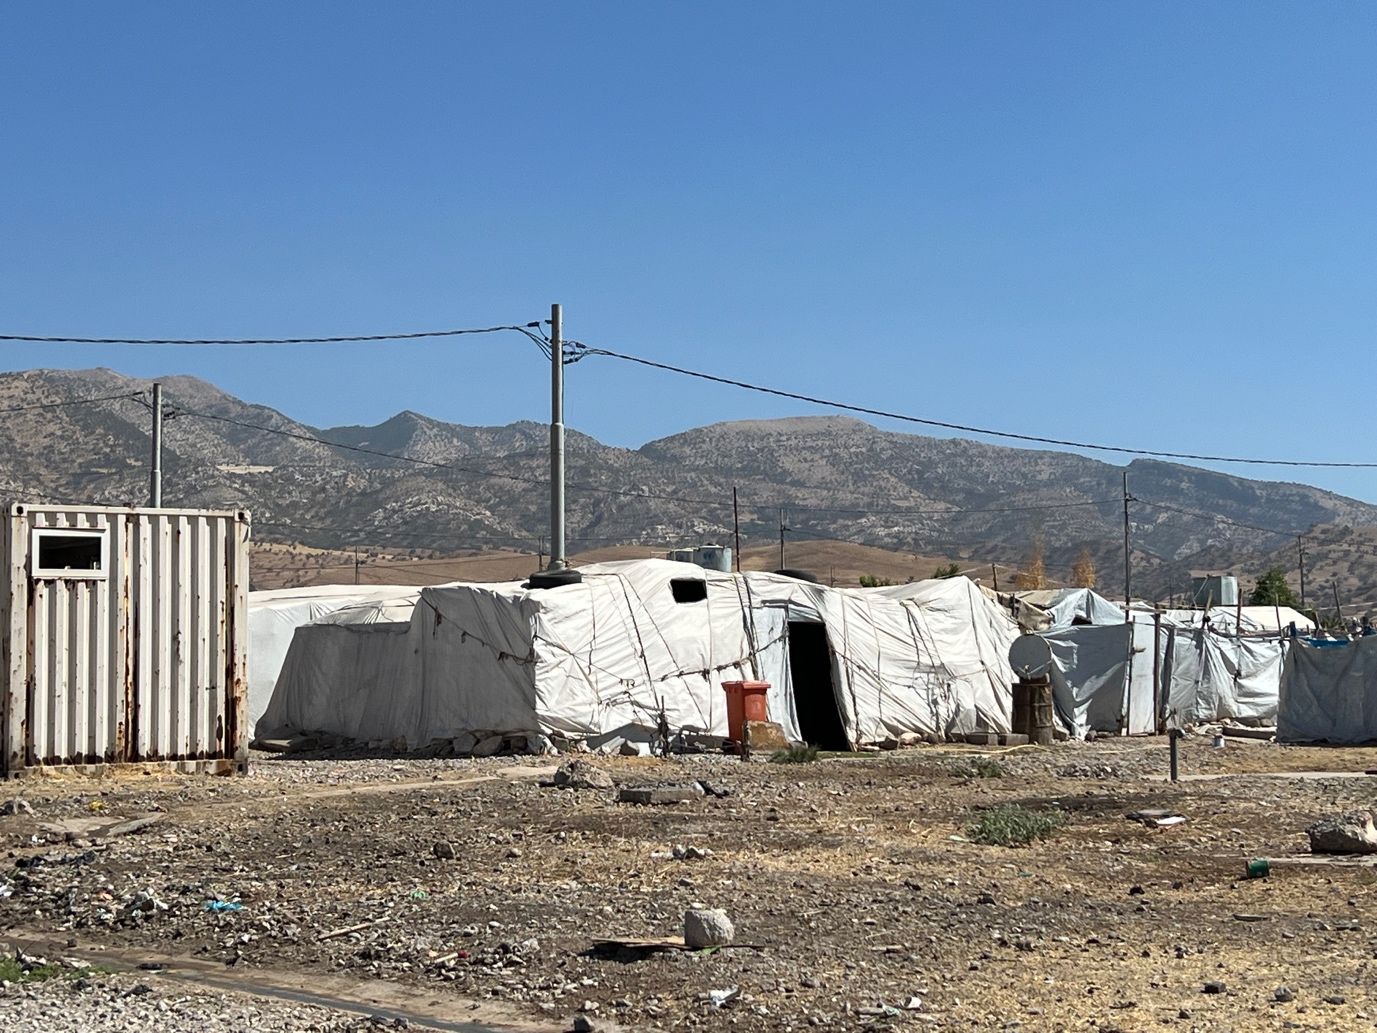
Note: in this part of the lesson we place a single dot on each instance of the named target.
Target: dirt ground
(855, 878)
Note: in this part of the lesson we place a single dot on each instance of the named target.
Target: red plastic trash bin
(745, 702)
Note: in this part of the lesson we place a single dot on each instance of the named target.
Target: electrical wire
(950, 512)
(591, 488)
(584, 349)
(178, 342)
(1215, 518)
(73, 401)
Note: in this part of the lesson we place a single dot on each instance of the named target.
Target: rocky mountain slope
(444, 487)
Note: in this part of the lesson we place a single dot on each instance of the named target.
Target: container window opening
(69, 553)
(689, 590)
(815, 698)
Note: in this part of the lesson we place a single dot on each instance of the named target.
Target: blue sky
(1147, 224)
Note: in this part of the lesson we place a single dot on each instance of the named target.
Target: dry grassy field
(840, 563)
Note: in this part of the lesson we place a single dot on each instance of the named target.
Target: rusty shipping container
(126, 638)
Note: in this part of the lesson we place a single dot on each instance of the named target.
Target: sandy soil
(855, 877)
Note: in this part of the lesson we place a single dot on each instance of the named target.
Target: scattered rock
(1214, 986)
(1335, 999)
(488, 747)
(1351, 833)
(658, 795)
(443, 850)
(708, 927)
(1283, 995)
(580, 774)
(16, 806)
(1089, 771)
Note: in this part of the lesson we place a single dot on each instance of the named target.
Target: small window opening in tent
(815, 697)
(60, 553)
(689, 590)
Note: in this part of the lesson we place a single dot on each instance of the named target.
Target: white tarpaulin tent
(1104, 681)
(1329, 693)
(1211, 676)
(1102, 667)
(604, 659)
(275, 615)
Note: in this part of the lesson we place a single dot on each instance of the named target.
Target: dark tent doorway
(815, 699)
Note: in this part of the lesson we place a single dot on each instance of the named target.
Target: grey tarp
(1217, 677)
(1329, 693)
(1089, 675)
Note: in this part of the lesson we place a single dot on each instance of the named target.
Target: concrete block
(983, 738)
(1013, 739)
(766, 735)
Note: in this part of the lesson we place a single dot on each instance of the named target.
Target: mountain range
(417, 484)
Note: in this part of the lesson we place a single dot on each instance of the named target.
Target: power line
(954, 512)
(1215, 518)
(177, 342)
(73, 401)
(592, 488)
(985, 431)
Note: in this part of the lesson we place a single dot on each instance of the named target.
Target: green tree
(871, 581)
(1272, 590)
(950, 570)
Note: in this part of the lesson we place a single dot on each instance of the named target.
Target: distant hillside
(835, 477)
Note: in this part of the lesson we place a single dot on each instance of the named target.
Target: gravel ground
(109, 1002)
(855, 876)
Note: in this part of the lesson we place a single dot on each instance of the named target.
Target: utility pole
(1337, 608)
(356, 564)
(155, 490)
(994, 573)
(1128, 556)
(736, 525)
(1300, 552)
(782, 564)
(557, 573)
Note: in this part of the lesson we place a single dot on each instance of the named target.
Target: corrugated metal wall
(148, 662)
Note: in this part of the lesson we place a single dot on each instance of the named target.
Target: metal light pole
(558, 573)
(155, 488)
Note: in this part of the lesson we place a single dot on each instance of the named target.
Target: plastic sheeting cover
(274, 616)
(606, 657)
(1329, 694)
(1216, 677)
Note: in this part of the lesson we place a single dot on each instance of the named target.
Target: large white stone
(708, 927)
(1352, 833)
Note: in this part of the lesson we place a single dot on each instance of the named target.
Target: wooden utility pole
(736, 525)
(356, 564)
(782, 564)
(1300, 553)
(1128, 556)
(994, 573)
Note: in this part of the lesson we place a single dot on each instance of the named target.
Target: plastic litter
(722, 998)
(220, 907)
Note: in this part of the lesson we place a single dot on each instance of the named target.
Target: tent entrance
(815, 698)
